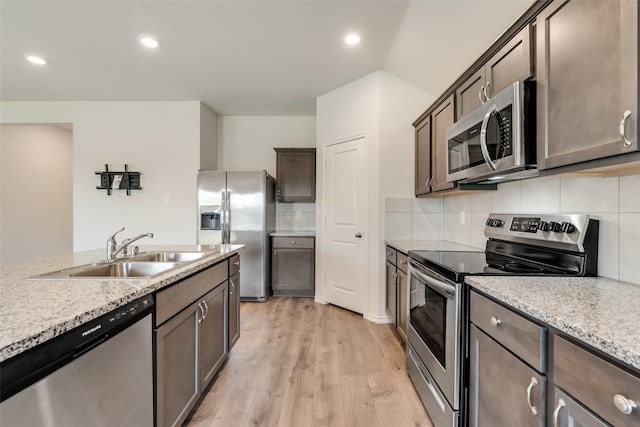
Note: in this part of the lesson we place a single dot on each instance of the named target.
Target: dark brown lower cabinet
(502, 389)
(293, 266)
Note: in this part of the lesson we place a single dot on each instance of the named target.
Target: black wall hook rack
(128, 180)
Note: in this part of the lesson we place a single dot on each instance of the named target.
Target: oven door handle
(442, 287)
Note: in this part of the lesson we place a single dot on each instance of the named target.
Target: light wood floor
(299, 363)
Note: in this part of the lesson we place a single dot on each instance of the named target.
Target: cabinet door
(390, 288)
(512, 63)
(234, 309)
(441, 119)
(587, 72)
(569, 413)
(296, 174)
(176, 367)
(423, 157)
(501, 387)
(469, 95)
(213, 333)
(403, 301)
(293, 272)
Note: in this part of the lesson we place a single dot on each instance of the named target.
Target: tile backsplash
(296, 216)
(615, 201)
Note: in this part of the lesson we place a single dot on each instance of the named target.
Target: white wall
(615, 201)
(382, 108)
(36, 176)
(159, 139)
(247, 142)
(208, 138)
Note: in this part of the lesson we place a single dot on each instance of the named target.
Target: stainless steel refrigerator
(240, 208)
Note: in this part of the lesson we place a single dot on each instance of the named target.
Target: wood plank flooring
(300, 363)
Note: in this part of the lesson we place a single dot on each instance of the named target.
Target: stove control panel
(566, 231)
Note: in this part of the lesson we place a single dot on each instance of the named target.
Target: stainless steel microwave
(496, 141)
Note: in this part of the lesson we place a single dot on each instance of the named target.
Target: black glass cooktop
(455, 265)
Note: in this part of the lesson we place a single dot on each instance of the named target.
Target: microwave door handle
(448, 290)
(483, 137)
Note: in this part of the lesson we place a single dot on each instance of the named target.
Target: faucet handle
(113, 236)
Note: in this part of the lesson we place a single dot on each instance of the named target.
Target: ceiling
(239, 57)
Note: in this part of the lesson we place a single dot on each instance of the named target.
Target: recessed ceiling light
(36, 60)
(352, 39)
(149, 42)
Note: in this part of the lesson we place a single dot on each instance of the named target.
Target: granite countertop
(599, 312)
(33, 311)
(405, 246)
(293, 233)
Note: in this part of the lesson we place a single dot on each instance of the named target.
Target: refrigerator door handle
(227, 238)
(223, 222)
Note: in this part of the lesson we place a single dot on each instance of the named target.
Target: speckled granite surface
(293, 233)
(34, 311)
(405, 246)
(602, 313)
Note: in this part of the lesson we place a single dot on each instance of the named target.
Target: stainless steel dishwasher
(100, 374)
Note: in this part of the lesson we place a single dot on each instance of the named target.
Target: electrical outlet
(462, 218)
(167, 200)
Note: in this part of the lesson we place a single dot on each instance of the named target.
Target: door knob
(358, 235)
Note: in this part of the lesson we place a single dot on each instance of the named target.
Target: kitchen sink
(115, 270)
(169, 256)
(126, 269)
(140, 266)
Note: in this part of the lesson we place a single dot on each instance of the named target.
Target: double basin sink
(140, 266)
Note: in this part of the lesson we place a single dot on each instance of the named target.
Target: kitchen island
(33, 311)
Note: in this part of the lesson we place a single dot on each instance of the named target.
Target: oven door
(434, 328)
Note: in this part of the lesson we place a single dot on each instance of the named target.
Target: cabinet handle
(482, 101)
(403, 262)
(275, 253)
(624, 405)
(236, 263)
(201, 317)
(389, 253)
(495, 321)
(206, 308)
(484, 91)
(626, 143)
(532, 384)
(233, 287)
(561, 404)
(293, 242)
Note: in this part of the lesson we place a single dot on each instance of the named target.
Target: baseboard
(377, 319)
(320, 301)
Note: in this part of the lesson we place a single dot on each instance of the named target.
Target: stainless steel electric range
(437, 331)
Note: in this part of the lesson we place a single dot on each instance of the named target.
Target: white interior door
(344, 231)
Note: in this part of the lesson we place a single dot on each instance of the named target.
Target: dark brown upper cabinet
(423, 157)
(510, 64)
(296, 175)
(587, 81)
(441, 118)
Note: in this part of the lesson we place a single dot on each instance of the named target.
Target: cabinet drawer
(595, 382)
(234, 265)
(170, 301)
(523, 337)
(391, 255)
(402, 261)
(293, 242)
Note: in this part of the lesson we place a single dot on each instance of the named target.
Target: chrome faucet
(112, 245)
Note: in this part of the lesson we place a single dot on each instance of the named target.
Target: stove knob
(544, 226)
(555, 226)
(568, 228)
(490, 222)
(498, 223)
